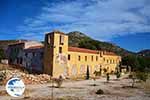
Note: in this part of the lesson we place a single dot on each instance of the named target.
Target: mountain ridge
(145, 52)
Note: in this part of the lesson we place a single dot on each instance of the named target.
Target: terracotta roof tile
(83, 50)
(76, 49)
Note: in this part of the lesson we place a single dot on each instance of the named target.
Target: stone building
(57, 58)
(61, 59)
(27, 54)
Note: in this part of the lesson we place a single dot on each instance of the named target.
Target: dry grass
(3, 93)
(3, 67)
(146, 86)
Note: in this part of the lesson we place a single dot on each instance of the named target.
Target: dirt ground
(82, 90)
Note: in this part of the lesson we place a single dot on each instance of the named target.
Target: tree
(132, 61)
(87, 73)
(107, 77)
(139, 67)
(117, 73)
(138, 63)
(133, 77)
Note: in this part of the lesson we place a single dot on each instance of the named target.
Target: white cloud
(101, 19)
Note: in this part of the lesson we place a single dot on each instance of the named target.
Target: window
(92, 58)
(33, 54)
(111, 61)
(17, 60)
(85, 58)
(68, 57)
(79, 58)
(61, 39)
(60, 49)
(107, 61)
(26, 54)
(41, 55)
(96, 58)
(104, 59)
(21, 60)
(101, 54)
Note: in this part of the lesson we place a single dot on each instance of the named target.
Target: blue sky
(123, 22)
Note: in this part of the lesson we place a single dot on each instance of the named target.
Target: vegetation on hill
(145, 52)
(79, 39)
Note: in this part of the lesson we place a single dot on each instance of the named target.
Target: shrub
(142, 76)
(118, 74)
(105, 70)
(59, 81)
(100, 91)
(107, 77)
(97, 73)
(133, 77)
(147, 85)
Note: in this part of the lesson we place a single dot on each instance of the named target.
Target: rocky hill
(79, 39)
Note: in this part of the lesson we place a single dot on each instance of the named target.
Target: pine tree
(87, 73)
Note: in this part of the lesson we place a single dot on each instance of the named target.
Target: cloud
(101, 19)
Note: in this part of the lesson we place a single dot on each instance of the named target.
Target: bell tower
(55, 53)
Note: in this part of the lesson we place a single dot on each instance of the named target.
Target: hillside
(79, 39)
(145, 52)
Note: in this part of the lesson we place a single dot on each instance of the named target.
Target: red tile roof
(83, 50)
(75, 49)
